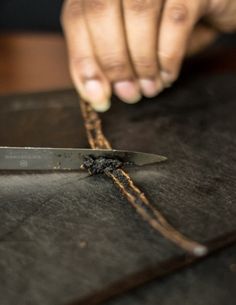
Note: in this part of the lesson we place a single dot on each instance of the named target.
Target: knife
(38, 158)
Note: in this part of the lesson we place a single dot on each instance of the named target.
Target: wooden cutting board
(70, 238)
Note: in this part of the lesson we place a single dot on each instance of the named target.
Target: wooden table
(33, 62)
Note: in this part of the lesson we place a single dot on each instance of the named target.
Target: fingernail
(167, 78)
(149, 87)
(102, 106)
(94, 91)
(127, 91)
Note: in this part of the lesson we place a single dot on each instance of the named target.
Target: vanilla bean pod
(93, 127)
(132, 193)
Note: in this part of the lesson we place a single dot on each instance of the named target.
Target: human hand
(136, 47)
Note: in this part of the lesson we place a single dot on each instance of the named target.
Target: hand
(136, 47)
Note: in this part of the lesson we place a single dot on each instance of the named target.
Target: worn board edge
(155, 272)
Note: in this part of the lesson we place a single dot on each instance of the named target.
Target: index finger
(86, 73)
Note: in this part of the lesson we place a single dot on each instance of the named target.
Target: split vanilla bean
(113, 169)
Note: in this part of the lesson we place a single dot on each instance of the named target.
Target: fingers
(88, 77)
(114, 44)
(178, 20)
(141, 24)
(105, 24)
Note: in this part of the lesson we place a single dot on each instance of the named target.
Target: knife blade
(39, 158)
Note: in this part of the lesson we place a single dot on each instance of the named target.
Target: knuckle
(116, 67)
(72, 9)
(85, 65)
(178, 12)
(171, 63)
(141, 6)
(171, 57)
(145, 66)
(81, 61)
(96, 6)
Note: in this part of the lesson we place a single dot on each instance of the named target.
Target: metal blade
(37, 158)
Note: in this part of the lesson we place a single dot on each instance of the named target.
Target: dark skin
(136, 47)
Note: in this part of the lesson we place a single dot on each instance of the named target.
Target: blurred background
(30, 14)
(32, 50)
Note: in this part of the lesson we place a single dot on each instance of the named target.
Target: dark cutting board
(209, 282)
(70, 238)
